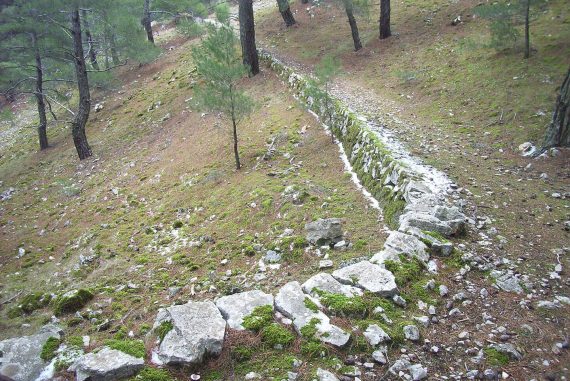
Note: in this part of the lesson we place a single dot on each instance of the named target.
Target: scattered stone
(411, 332)
(198, 331)
(507, 281)
(369, 277)
(399, 301)
(375, 335)
(325, 264)
(429, 214)
(379, 357)
(324, 231)
(508, 349)
(527, 149)
(418, 372)
(107, 364)
(443, 290)
(272, 257)
(20, 356)
(325, 375)
(237, 306)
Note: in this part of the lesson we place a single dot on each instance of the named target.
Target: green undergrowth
(29, 304)
(260, 317)
(163, 329)
(496, 358)
(49, 348)
(153, 374)
(132, 347)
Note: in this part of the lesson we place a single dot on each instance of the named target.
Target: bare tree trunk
(558, 132)
(286, 13)
(39, 93)
(527, 30)
(145, 21)
(82, 115)
(247, 36)
(90, 43)
(353, 26)
(385, 19)
(236, 152)
(305, 1)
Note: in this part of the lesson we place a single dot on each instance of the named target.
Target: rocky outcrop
(369, 277)
(324, 232)
(198, 331)
(106, 365)
(20, 356)
(237, 306)
(292, 302)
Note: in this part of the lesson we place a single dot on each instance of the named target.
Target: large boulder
(106, 365)
(237, 306)
(291, 302)
(326, 282)
(369, 277)
(324, 232)
(20, 356)
(198, 330)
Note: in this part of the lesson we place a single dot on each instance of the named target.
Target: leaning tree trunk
(145, 21)
(385, 19)
(286, 13)
(39, 93)
(527, 30)
(353, 27)
(82, 115)
(90, 43)
(247, 36)
(558, 132)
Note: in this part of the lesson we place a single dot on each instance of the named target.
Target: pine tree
(385, 10)
(286, 13)
(174, 9)
(504, 17)
(247, 36)
(218, 63)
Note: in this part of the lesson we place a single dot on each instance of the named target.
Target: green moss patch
(405, 271)
(496, 358)
(311, 305)
(72, 301)
(163, 329)
(260, 317)
(275, 334)
(49, 349)
(132, 347)
(153, 374)
(343, 305)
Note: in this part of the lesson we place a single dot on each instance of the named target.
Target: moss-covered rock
(71, 301)
(275, 334)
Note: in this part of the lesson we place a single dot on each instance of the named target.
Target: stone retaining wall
(386, 178)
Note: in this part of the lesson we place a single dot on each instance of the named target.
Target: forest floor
(159, 215)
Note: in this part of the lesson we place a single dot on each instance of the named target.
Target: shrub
(49, 349)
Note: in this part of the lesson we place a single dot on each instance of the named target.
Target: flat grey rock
(324, 231)
(411, 332)
(106, 365)
(369, 277)
(20, 356)
(325, 375)
(237, 306)
(375, 335)
(429, 213)
(509, 350)
(290, 301)
(199, 330)
(408, 245)
(326, 282)
(507, 281)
